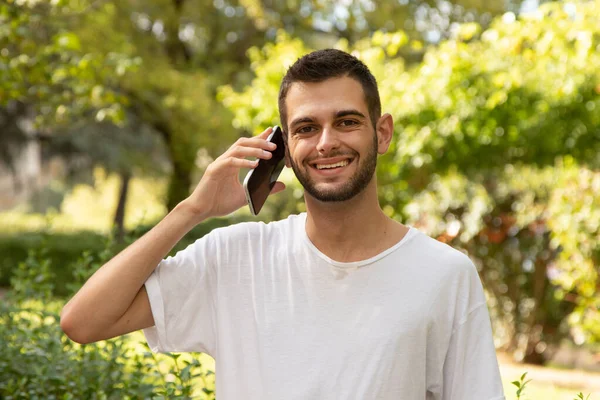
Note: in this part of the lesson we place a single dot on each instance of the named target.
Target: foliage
(521, 384)
(44, 64)
(574, 218)
(60, 250)
(38, 361)
(71, 257)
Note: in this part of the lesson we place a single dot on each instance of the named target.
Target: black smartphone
(260, 180)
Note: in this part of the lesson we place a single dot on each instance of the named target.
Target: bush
(38, 361)
(64, 251)
(61, 249)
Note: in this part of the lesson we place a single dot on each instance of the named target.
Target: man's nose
(328, 140)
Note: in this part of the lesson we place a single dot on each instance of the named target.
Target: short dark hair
(321, 65)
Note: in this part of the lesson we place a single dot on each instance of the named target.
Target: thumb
(278, 187)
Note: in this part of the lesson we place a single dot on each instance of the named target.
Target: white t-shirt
(284, 321)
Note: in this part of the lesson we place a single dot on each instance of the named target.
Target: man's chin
(331, 195)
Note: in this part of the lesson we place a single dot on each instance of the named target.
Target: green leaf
(68, 41)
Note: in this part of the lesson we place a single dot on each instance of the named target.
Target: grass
(91, 208)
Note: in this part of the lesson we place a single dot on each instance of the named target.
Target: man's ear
(287, 154)
(385, 132)
(287, 160)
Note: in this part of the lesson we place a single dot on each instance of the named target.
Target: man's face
(332, 145)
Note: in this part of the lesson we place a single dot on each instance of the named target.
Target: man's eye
(305, 129)
(348, 122)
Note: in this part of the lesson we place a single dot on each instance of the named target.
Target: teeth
(339, 164)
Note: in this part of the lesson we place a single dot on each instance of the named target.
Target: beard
(353, 186)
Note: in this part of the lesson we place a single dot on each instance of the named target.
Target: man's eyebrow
(344, 113)
(301, 120)
(337, 114)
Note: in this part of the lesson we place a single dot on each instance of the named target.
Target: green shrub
(61, 249)
(64, 251)
(38, 361)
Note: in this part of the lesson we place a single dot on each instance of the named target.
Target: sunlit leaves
(574, 217)
(256, 107)
(44, 64)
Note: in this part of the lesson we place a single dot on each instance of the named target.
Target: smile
(334, 165)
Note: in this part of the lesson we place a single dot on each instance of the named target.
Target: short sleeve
(182, 294)
(471, 367)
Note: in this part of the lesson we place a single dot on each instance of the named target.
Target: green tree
(54, 88)
(43, 64)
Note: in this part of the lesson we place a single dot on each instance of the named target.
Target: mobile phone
(260, 180)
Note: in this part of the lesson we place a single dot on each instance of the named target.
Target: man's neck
(353, 230)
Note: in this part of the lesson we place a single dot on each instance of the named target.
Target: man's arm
(114, 300)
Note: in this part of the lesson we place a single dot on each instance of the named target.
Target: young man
(340, 302)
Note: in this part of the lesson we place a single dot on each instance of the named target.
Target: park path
(578, 380)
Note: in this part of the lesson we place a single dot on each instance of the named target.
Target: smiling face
(332, 145)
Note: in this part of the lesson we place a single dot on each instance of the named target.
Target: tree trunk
(119, 221)
(179, 185)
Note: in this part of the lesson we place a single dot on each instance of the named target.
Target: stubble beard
(355, 184)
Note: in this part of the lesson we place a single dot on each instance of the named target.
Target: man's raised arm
(114, 300)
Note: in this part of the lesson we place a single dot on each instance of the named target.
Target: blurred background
(111, 110)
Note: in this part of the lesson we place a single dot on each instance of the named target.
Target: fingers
(278, 187)
(237, 155)
(257, 142)
(242, 163)
(231, 162)
(242, 152)
(256, 146)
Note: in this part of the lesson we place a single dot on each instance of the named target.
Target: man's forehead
(339, 83)
(329, 96)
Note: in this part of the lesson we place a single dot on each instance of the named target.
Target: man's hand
(220, 192)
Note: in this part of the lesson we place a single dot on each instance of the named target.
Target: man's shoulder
(258, 230)
(432, 251)
(436, 247)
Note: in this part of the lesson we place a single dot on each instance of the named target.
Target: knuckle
(210, 170)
